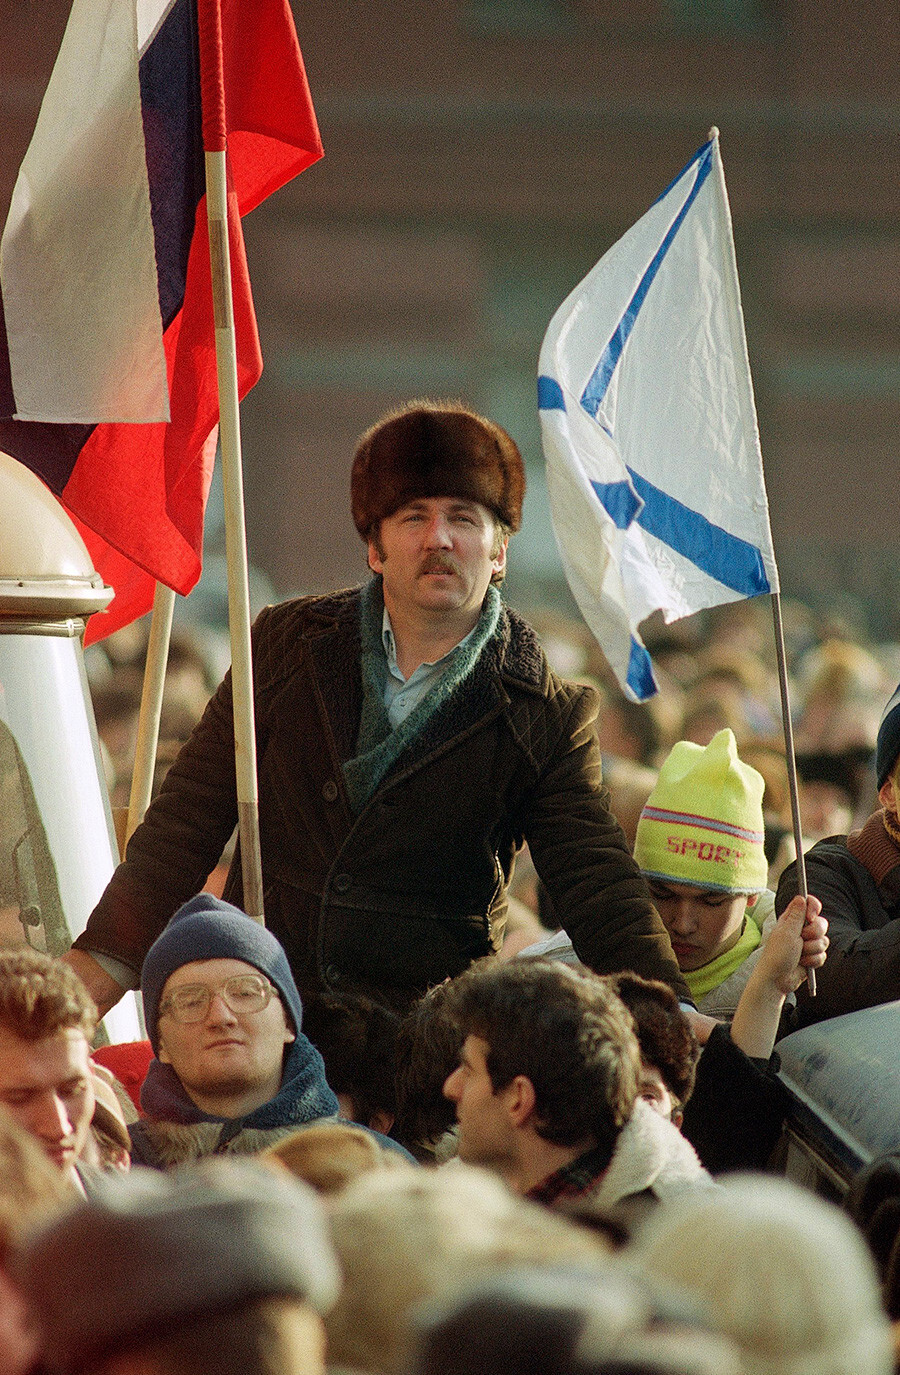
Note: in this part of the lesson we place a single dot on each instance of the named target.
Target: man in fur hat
(411, 736)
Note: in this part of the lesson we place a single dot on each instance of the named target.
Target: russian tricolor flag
(107, 346)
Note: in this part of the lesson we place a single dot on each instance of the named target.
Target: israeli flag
(654, 466)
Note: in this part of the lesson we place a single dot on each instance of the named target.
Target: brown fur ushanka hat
(435, 449)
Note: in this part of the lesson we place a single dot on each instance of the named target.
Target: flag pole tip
(713, 133)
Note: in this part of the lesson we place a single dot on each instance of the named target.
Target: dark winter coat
(413, 888)
(734, 1116)
(857, 879)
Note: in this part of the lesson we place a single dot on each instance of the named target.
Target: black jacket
(857, 879)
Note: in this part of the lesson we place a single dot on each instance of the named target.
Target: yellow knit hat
(703, 822)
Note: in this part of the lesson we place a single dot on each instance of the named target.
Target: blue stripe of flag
(173, 138)
(170, 106)
(707, 148)
(598, 383)
(729, 559)
(619, 502)
(640, 672)
(550, 394)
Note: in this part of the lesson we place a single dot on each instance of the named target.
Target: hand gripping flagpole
(215, 149)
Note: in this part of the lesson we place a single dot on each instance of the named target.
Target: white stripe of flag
(77, 259)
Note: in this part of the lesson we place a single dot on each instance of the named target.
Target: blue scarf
(304, 1094)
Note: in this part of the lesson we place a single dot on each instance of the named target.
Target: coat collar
(304, 1095)
(512, 658)
(650, 1154)
(876, 849)
(519, 658)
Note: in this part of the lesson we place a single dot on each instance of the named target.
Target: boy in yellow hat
(699, 844)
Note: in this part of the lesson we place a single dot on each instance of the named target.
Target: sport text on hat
(703, 823)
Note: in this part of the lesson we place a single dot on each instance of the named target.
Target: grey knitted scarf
(379, 744)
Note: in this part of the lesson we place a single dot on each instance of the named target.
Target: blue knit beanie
(888, 744)
(208, 929)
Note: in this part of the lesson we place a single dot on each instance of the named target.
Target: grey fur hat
(149, 1252)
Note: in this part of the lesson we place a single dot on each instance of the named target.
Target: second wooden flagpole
(214, 140)
(151, 708)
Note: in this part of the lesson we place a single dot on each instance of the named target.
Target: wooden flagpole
(215, 150)
(151, 707)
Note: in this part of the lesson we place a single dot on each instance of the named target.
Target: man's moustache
(439, 565)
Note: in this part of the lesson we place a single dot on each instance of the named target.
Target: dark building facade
(480, 156)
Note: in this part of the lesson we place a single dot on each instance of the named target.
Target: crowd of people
(555, 1219)
(495, 1086)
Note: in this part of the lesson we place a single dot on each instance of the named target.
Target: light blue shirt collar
(390, 651)
(403, 695)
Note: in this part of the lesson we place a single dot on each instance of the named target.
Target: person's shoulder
(833, 854)
(279, 629)
(317, 612)
(523, 663)
(829, 846)
(829, 853)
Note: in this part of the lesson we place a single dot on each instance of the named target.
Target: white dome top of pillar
(45, 568)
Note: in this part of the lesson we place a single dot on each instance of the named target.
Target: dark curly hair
(565, 1030)
(356, 1037)
(664, 1034)
(428, 1046)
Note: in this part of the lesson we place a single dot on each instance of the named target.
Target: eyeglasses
(244, 993)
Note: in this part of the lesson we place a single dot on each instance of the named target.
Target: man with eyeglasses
(233, 1071)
